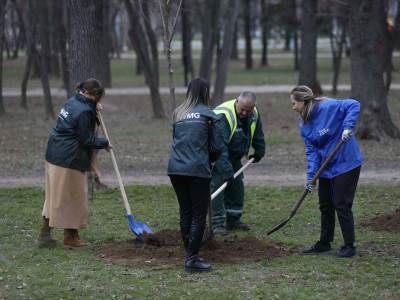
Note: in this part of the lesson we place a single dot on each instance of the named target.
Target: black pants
(193, 194)
(337, 194)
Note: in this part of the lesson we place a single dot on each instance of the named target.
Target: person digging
(68, 157)
(241, 129)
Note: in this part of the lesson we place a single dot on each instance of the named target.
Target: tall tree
(144, 41)
(368, 38)
(41, 8)
(186, 28)
(106, 42)
(235, 46)
(264, 33)
(210, 11)
(85, 49)
(169, 31)
(247, 33)
(222, 66)
(309, 34)
(31, 53)
(2, 13)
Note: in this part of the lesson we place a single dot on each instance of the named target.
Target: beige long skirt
(66, 197)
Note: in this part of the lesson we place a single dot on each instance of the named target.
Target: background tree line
(76, 39)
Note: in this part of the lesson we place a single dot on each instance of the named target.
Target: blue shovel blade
(138, 228)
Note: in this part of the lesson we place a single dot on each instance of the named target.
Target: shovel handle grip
(225, 184)
(116, 169)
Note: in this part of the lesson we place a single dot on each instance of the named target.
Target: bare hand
(99, 106)
(108, 148)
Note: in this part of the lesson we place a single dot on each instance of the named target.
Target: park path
(378, 177)
(233, 89)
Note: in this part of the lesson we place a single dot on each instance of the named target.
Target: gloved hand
(310, 187)
(346, 135)
(256, 157)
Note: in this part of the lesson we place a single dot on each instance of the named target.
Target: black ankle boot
(196, 264)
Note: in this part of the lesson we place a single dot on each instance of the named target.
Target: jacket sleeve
(86, 134)
(352, 110)
(313, 159)
(259, 139)
(215, 140)
(223, 164)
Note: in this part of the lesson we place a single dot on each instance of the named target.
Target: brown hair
(92, 86)
(198, 92)
(303, 93)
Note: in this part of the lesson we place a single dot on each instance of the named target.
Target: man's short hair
(248, 96)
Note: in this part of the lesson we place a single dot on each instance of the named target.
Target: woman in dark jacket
(324, 122)
(196, 144)
(68, 156)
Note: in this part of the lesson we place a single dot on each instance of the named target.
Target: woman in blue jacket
(324, 122)
(195, 146)
(68, 157)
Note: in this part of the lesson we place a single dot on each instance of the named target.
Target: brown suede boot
(72, 239)
(44, 237)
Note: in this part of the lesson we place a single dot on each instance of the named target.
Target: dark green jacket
(73, 138)
(239, 145)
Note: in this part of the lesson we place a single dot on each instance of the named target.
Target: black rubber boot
(347, 251)
(318, 247)
(195, 264)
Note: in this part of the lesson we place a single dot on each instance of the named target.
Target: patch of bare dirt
(165, 248)
(387, 222)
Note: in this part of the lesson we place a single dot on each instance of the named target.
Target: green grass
(29, 272)
(280, 71)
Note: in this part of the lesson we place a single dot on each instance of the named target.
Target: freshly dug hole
(165, 248)
(388, 222)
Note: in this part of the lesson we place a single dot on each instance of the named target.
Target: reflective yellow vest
(228, 109)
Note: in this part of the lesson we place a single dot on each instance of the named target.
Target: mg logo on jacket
(193, 116)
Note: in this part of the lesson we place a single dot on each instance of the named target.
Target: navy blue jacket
(73, 138)
(324, 131)
(196, 143)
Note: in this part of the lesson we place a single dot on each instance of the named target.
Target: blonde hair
(303, 93)
(198, 92)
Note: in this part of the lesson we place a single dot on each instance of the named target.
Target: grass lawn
(29, 272)
(279, 71)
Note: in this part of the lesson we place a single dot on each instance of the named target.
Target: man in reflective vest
(241, 128)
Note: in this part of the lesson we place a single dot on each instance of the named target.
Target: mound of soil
(165, 248)
(388, 222)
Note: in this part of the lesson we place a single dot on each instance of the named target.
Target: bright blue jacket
(324, 131)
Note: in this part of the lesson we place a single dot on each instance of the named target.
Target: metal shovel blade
(138, 228)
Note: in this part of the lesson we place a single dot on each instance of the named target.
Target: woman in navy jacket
(324, 122)
(68, 156)
(196, 144)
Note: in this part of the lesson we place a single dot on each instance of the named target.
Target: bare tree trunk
(222, 67)
(43, 12)
(144, 41)
(296, 49)
(367, 68)
(60, 41)
(337, 43)
(21, 29)
(247, 33)
(235, 46)
(165, 10)
(264, 33)
(31, 53)
(186, 27)
(85, 53)
(106, 43)
(2, 13)
(309, 35)
(210, 28)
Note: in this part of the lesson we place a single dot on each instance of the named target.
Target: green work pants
(228, 205)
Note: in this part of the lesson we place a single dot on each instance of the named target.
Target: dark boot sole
(327, 252)
(196, 270)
